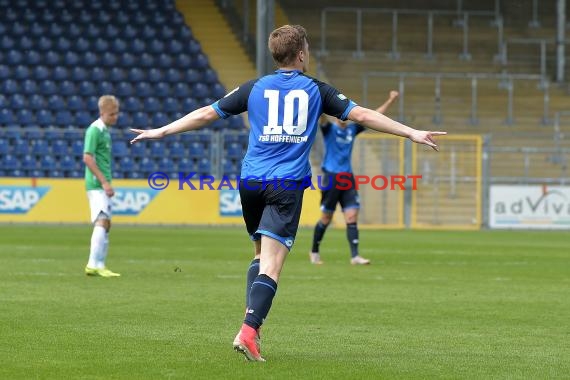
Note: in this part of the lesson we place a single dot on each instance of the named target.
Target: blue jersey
(284, 109)
(338, 146)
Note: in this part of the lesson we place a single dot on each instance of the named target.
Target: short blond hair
(286, 42)
(107, 100)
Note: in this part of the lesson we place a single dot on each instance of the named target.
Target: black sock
(260, 299)
(252, 273)
(320, 229)
(352, 236)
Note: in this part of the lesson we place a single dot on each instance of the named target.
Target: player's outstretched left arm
(194, 120)
(378, 122)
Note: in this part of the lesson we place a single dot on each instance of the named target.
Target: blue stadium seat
(13, 134)
(78, 74)
(29, 162)
(90, 59)
(175, 47)
(129, 31)
(151, 104)
(177, 150)
(44, 118)
(204, 166)
(160, 119)
(59, 147)
(56, 174)
(52, 134)
(194, 47)
(154, 75)
(7, 42)
(7, 117)
(167, 32)
(5, 72)
(181, 90)
(36, 173)
(148, 32)
(86, 88)
(218, 91)
(83, 118)
(25, 117)
(32, 58)
(55, 102)
(67, 88)
(71, 58)
(67, 163)
(4, 147)
(156, 46)
(63, 44)
(75, 103)
(147, 60)
(147, 166)
(124, 90)
(127, 164)
(47, 87)
(36, 29)
(92, 103)
(136, 74)
(140, 120)
(111, 31)
(192, 76)
(21, 72)
(173, 75)
(117, 74)
(17, 101)
(162, 89)
(236, 123)
(97, 74)
(130, 103)
(47, 163)
(41, 73)
(105, 87)
(183, 61)
(33, 133)
(9, 87)
(138, 150)
(119, 46)
(234, 150)
(165, 61)
(200, 90)
(26, 43)
(17, 173)
(40, 147)
(140, 18)
(64, 118)
(109, 59)
(10, 162)
(44, 43)
(170, 105)
(4, 101)
(196, 150)
(209, 76)
(74, 30)
(100, 45)
(143, 89)
(124, 121)
(137, 46)
(119, 148)
(77, 147)
(157, 148)
(189, 104)
(29, 87)
(60, 73)
(201, 62)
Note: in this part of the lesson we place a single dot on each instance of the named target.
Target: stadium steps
(222, 47)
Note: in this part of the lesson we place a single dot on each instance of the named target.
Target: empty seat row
(115, 74)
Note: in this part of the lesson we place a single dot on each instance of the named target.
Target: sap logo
(230, 203)
(131, 200)
(20, 199)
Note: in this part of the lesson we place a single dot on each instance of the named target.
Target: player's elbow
(361, 115)
(87, 159)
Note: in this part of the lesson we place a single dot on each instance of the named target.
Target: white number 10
(272, 127)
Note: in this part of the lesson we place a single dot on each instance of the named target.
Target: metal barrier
(462, 21)
(505, 81)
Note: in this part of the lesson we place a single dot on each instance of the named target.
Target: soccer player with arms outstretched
(284, 110)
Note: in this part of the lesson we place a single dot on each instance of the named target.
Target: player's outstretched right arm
(194, 120)
(378, 122)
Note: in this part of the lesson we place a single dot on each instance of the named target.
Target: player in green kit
(97, 159)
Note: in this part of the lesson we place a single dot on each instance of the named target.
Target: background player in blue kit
(283, 109)
(339, 138)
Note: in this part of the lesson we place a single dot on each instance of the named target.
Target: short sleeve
(91, 139)
(235, 102)
(334, 103)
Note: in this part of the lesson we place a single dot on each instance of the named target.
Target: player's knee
(326, 219)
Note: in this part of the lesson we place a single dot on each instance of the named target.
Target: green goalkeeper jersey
(98, 144)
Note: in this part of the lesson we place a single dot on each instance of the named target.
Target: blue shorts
(338, 192)
(272, 209)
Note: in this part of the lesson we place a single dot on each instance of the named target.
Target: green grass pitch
(473, 305)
